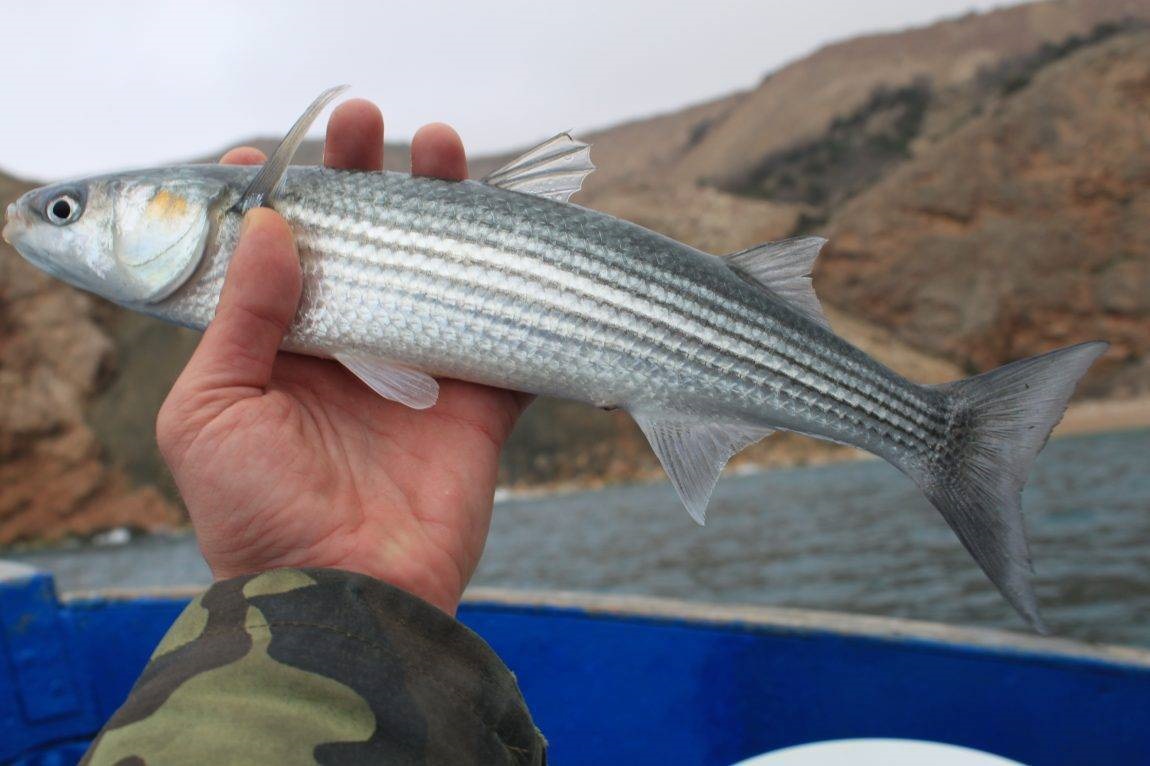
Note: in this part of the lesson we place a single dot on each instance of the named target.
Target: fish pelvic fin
(999, 421)
(263, 187)
(693, 455)
(392, 380)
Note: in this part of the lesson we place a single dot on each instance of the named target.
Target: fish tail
(999, 421)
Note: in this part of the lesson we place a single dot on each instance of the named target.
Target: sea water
(854, 537)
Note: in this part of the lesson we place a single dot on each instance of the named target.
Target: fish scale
(504, 282)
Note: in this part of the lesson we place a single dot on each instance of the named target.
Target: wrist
(424, 582)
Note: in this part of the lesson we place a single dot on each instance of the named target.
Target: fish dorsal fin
(693, 455)
(555, 169)
(392, 380)
(784, 268)
(263, 187)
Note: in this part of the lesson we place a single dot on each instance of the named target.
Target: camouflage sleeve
(319, 666)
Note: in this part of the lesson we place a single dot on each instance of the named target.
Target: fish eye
(62, 210)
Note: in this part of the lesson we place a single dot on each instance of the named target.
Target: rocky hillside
(802, 101)
(1026, 229)
(984, 182)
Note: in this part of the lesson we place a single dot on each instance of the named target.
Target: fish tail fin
(1000, 420)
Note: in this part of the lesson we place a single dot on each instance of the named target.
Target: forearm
(323, 664)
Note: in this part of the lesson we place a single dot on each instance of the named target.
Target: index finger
(354, 137)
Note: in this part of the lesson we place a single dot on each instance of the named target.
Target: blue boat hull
(637, 681)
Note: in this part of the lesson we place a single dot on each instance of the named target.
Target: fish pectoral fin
(263, 187)
(554, 169)
(693, 455)
(784, 268)
(392, 380)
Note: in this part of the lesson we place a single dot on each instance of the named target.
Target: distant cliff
(985, 183)
(1026, 229)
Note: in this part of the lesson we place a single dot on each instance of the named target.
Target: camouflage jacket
(319, 666)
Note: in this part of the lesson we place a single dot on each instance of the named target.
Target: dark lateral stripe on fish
(464, 291)
(776, 380)
(915, 436)
(928, 420)
(427, 219)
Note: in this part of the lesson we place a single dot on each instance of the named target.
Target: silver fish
(504, 282)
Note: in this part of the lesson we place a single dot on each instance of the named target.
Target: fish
(504, 281)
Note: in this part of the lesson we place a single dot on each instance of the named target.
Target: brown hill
(801, 101)
(1027, 229)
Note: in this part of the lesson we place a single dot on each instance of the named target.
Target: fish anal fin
(554, 169)
(693, 455)
(391, 380)
(784, 268)
(263, 187)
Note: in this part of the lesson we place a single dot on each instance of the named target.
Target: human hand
(290, 461)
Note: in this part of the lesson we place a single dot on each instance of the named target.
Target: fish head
(133, 238)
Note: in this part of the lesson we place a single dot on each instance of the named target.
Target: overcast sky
(91, 86)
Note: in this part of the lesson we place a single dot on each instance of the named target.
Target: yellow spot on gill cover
(167, 205)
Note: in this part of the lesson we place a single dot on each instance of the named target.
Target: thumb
(258, 301)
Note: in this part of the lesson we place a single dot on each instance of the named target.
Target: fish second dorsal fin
(784, 268)
(554, 169)
(693, 455)
(263, 187)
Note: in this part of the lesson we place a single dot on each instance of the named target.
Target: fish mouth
(11, 216)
